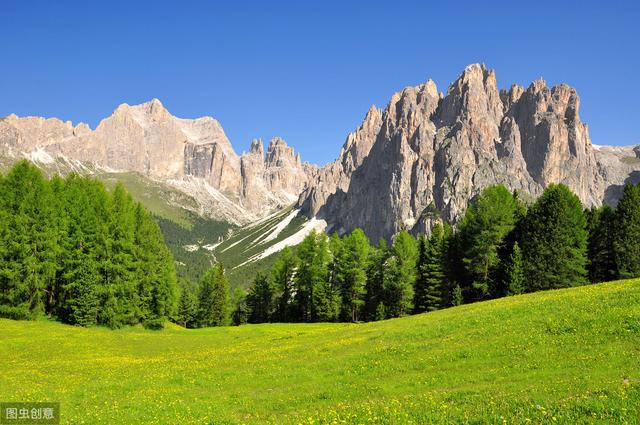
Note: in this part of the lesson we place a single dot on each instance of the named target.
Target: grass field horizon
(560, 356)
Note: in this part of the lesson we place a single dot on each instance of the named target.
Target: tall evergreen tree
(514, 272)
(399, 275)
(430, 279)
(260, 300)
(352, 274)
(627, 233)
(374, 288)
(187, 310)
(29, 267)
(282, 279)
(554, 241)
(325, 298)
(483, 229)
(213, 297)
(601, 224)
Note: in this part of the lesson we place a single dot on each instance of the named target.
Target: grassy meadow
(563, 356)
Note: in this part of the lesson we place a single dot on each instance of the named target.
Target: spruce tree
(281, 277)
(399, 275)
(514, 272)
(554, 241)
(457, 298)
(627, 233)
(601, 224)
(430, 279)
(352, 266)
(260, 300)
(483, 229)
(374, 291)
(187, 310)
(213, 297)
(325, 298)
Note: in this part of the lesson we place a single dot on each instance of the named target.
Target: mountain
(192, 156)
(420, 159)
(427, 154)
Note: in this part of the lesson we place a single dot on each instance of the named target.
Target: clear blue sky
(308, 71)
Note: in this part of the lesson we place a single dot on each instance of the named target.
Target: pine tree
(456, 298)
(554, 241)
(352, 266)
(430, 279)
(282, 279)
(483, 229)
(325, 299)
(514, 273)
(627, 233)
(30, 244)
(213, 297)
(186, 314)
(601, 224)
(374, 291)
(399, 275)
(260, 300)
(240, 310)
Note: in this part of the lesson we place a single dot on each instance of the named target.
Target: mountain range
(420, 159)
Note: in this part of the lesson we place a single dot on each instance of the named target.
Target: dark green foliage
(430, 280)
(399, 275)
(501, 248)
(187, 310)
(627, 233)
(213, 297)
(514, 273)
(601, 224)
(281, 277)
(240, 310)
(456, 298)
(71, 250)
(554, 241)
(261, 300)
(374, 293)
(192, 264)
(483, 230)
(351, 273)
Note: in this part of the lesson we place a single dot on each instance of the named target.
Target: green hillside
(563, 356)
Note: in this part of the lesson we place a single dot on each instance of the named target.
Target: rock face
(195, 155)
(428, 154)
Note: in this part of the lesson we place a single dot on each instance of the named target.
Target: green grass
(566, 356)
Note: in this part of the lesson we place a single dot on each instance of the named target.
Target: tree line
(73, 251)
(500, 247)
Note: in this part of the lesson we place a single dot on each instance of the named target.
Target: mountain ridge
(424, 156)
(419, 159)
(192, 155)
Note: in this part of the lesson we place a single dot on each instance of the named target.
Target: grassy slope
(567, 356)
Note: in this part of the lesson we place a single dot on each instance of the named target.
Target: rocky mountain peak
(279, 154)
(193, 155)
(428, 155)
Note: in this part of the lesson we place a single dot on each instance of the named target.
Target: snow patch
(313, 224)
(280, 227)
(191, 248)
(596, 147)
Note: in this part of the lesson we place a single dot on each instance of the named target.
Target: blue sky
(308, 71)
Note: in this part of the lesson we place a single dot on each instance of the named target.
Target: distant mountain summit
(193, 155)
(427, 154)
(420, 159)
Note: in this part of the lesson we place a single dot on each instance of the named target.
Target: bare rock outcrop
(431, 154)
(194, 155)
